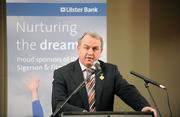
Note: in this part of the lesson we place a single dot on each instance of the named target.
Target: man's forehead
(90, 41)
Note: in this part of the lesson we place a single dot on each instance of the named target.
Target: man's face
(89, 50)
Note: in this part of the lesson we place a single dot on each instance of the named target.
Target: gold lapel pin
(101, 77)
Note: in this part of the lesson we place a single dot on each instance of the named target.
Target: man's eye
(96, 48)
(86, 48)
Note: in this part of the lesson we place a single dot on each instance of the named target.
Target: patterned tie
(90, 86)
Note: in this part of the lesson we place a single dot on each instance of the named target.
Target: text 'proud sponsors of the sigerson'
(25, 64)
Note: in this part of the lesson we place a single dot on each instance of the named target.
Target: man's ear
(101, 50)
(77, 48)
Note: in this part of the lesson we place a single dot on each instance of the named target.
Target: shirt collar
(83, 68)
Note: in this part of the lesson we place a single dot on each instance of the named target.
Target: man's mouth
(89, 58)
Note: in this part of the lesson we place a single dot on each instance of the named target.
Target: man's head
(89, 48)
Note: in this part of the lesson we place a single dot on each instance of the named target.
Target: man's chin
(89, 64)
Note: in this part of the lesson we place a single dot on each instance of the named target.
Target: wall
(128, 41)
(165, 53)
(3, 88)
(144, 35)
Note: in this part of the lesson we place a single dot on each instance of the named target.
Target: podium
(107, 114)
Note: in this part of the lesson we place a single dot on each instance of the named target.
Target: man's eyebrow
(90, 46)
(85, 45)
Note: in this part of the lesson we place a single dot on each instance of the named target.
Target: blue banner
(56, 9)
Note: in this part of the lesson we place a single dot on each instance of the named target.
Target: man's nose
(90, 51)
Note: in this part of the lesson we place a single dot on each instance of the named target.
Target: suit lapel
(98, 87)
(78, 78)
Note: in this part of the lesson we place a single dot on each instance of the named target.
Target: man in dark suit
(107, 84)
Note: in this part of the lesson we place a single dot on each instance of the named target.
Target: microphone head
(97, 65)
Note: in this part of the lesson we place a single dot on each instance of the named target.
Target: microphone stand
(60, 106)
(147, 87)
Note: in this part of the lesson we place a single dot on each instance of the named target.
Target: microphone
(97, 66)
(147, 80)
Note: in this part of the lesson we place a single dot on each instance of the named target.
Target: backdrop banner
(41, 37)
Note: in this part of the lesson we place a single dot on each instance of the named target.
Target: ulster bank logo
(78, 9)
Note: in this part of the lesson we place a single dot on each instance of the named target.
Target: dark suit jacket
(67, 79)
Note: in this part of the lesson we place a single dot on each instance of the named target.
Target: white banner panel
(42, 36)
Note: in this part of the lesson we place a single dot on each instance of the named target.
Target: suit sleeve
(59, 93)
(128, 93)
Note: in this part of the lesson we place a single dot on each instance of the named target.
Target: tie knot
(89, 73)
(89, 70)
